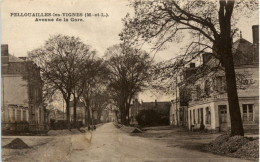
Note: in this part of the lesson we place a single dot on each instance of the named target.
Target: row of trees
(71, 68)
(68, 67)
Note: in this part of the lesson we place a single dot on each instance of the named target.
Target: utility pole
(176, 101)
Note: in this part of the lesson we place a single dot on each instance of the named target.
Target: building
(56, 115)
(111, 112)
(208, 106)
(21, 93)
(108, 115)
(178, 115)
(162, 108)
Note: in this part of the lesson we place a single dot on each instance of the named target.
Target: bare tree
(100, 100)
(212, 28)
(129, 74)
(60, 61)
(84, 75)
(93, 77)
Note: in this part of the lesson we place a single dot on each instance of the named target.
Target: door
(222, 117)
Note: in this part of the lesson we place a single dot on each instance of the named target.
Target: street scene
(131, 80)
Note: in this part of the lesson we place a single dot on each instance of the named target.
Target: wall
(247, 81)
(14, 90)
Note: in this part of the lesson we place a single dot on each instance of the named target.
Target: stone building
(178, 115)
(208, 107)
(21, 92)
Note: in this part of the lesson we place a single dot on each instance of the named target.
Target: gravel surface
(236, 146)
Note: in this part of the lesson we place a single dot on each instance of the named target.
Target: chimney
(192, 65)
(4, 58)
(255, 30)
(4, 50)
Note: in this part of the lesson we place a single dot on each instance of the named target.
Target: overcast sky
(23, 34)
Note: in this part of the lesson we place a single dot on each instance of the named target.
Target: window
(194, 120)
(32, 114)
(207, 88)
(200, 115)
(24, 115)
(208, 116)
(221, 84)
(198, 91)
(19, 117)
(190, 117)
(13, 115)
(199, 121)
(247, 112)
(181, 114)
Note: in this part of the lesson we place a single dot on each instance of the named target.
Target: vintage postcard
(129, 80)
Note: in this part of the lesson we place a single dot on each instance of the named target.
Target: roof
(14, 59)
(242, 55)
(155, 105)
(242, 52)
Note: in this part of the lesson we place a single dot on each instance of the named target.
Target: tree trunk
(127, 114)
(99, 117)
(68, 112)
(233, 102)
(92, 117)
(116, 114)
(75, 110)
(224, 47)
(128, 117)
(89, 118)
(123, 115)
(86, 117)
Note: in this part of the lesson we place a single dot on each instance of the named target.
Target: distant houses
(56, 115)
(136, 107)
(21, 95)
(201, 101)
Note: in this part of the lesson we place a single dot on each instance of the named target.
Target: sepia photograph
(129, 80)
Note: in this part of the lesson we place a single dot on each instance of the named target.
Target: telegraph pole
(3, 98)
(176, 101)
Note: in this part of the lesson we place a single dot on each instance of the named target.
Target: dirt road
(108, 143)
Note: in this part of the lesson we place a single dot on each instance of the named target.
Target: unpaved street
(109, 143)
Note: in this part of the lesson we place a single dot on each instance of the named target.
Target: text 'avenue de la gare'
(59, 17)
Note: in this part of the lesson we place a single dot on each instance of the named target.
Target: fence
(22, 128)
(15, 128)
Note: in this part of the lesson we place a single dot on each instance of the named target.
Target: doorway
(223, 117)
